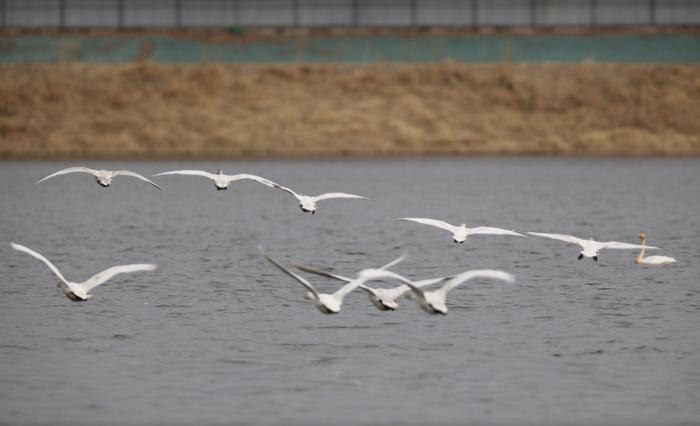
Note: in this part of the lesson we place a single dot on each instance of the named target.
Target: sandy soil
(144, 110)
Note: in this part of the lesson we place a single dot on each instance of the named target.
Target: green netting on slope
(666, 48)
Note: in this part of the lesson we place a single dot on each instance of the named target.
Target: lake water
(217, 335)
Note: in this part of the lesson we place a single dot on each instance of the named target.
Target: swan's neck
(640, 256)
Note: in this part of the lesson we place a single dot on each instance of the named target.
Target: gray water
(217, 335)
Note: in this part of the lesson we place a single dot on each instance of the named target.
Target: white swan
(103, 177)
(221, 180)
(79, 292)
(591, 248)
(651, 260)
(331, 303)
(385, 299)
(460, 233)
(307, 203)
(434, 302)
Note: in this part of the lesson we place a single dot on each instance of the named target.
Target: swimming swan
(651, 260)
(460, 233)
(79, 292)
(103, 177)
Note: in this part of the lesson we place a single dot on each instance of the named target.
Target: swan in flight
(331, 303)
(221, 181)
(434, 302)
(591, 248)
(651, 260)
(385, 299)
(79, 292)
(461, 232)
(103, 177)
(307, 203)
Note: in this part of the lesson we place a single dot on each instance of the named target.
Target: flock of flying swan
(307, 203)
(385, 299)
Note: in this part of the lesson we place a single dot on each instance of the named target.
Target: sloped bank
(146, 110)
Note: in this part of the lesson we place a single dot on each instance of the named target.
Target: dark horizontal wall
(316, 13)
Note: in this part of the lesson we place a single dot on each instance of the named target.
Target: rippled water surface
(217, 335)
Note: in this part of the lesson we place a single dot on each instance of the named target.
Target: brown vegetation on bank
(145, 110)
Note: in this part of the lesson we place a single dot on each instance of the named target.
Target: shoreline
(340, 158)
(244, 34)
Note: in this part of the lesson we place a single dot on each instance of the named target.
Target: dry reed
(146, 110)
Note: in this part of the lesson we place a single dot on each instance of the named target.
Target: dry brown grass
(144, 110)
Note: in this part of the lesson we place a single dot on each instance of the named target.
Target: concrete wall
(245, 13)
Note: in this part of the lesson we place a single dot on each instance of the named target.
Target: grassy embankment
(145, 110)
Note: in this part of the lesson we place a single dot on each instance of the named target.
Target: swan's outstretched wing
(413, 287)
(342, 278)
(431, 281)
(262, 180)
(137, 176)
(70, 170)
(400, 290)
(477, 273)
(560, 237)
(288, 272)
(491, 231)
(189, 173)
(32, 253)
(330, 275)
(330, 195)
(368, 275)
(393, 262)
(618, 245)
(321, 273)
(284, 188)
(432, 222)
(115, 270)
